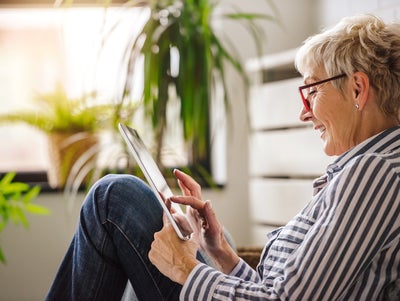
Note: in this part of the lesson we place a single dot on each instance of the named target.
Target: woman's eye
(311, 93)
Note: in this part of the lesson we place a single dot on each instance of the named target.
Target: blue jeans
(118, 220)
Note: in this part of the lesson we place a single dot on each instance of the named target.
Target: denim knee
(122, 194)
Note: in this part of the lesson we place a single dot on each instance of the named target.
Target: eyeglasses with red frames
(305, 91)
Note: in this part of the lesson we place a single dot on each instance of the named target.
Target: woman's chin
(327, 147)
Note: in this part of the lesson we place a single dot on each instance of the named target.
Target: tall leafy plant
(179, 49)
(181, 32)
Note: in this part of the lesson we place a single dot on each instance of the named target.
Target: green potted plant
(16, 200)
(184, 29)
(72, 125)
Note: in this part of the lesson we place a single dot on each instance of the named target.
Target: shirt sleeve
(204, 281)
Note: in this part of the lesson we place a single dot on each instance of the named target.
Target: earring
(357, 106)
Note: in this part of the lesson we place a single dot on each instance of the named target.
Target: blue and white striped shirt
(344, 245)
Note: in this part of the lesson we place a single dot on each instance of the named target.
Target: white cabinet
(285, 154)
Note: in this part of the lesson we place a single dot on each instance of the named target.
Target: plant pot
(69, 155)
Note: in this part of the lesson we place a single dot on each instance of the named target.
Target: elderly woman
(344, 245)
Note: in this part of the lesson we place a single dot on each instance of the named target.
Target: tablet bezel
(151, 172)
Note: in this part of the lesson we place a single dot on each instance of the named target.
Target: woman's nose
(305, 115)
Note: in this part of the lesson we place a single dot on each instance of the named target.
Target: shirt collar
(384, 142)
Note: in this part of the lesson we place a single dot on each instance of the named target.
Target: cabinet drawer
(275, 104)
(276, 201)
(293, 153)
(259, 235)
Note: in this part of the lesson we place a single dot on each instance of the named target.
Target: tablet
(152, 173)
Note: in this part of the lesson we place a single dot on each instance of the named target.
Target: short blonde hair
(359, 43)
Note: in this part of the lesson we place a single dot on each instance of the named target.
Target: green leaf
(3, 223)
(37, 209)
(31, 194)
(18, 216)
(2, 257)
(14, 188)
(7, 179)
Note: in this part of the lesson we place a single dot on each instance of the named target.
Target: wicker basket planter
(65, 149)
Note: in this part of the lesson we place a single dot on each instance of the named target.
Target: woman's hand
(204, 223)
(172, 256)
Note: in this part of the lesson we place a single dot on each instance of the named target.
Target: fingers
(183, 188)
(193, 202)
(187, 184)
(203, 211)
(213, 224)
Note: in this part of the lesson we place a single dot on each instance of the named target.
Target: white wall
(34, 255)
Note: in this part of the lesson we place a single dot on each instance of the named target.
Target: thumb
(166, 220)
(195, 236)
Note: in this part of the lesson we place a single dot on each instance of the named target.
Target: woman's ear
(360, 88)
